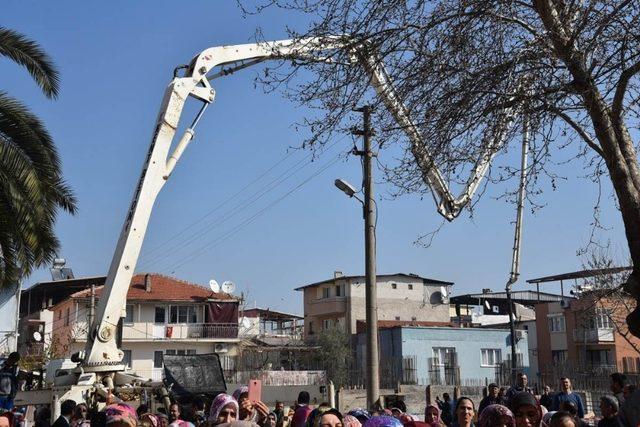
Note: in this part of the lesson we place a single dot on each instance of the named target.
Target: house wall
(400, 303)
(419, 342)
(532, 343)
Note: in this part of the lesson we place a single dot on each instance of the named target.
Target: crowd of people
(516, 406)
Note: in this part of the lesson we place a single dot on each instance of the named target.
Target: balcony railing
(593, 335)
(189, 331)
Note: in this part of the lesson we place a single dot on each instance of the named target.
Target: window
(157, 359)
(556, 323)
(491, 356)
(160, 315)
(394, 286)
(340, 290)
(603, 317)
(397, 317)
(129, 317)
(67, 317)
(410, 287)
(326, 292)
(444, 355)
(180, 352)
(326, 324)
(127, 357)
(311, 328)
(559, 356)
(183, 314)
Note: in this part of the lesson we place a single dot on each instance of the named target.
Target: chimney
(337, 274)
(147, 283)
(486, 290)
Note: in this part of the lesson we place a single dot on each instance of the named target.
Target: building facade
(446, 355)
(588, 332)
(164, 315)
(401, 297)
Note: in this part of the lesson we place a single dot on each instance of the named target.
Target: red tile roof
(163, 288)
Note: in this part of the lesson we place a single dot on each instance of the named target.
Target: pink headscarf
(493, 415)
(220, 402)
(350, 421)
(120, 412)
(436, 422)
(153, 419)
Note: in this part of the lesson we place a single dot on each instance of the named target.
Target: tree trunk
(618, 151)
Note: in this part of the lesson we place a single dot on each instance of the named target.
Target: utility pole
(369, 213)
(517, 237)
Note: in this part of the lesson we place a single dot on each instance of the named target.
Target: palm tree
(31, 185)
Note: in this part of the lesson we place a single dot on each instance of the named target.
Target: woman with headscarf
(432, 416)
(149, 420)
(464, 412)
(330, 418)
(224, 409)
(496, 416)
(351, 421)
(526, 409)
(249, 411)
(383, 421)
(121, 415)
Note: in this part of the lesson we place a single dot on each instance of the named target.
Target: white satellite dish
(487, 305)
(228, 287)
(246, 323)
(215, 287)
(37, 336)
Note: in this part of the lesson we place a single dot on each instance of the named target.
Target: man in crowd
(9, 381)
(174, 412)
(567, 395)
(546, 399)
(609, 411)
(520, 386)
(302, 410)
(66, 411)
(492, 398)
(618, 381)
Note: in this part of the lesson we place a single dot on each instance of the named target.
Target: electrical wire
(233, 211)
(200, 251)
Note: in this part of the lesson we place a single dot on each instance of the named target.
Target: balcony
(594, 336)
(147, 331)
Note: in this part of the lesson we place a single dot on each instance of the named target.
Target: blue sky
(116, 59)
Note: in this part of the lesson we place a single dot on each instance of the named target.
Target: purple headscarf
(239, 391)
(350, 421)
(492, 416)
(219, 403)
(120, 412)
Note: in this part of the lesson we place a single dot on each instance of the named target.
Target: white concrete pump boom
(101, 353)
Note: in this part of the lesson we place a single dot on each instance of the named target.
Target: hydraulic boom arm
(102, 353)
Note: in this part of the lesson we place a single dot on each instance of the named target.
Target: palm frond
(30, 55)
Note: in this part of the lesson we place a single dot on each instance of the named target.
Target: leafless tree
(569, 66)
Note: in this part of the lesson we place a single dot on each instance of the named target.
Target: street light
(347, 188)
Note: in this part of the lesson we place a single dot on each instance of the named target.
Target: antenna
(215, 287)
(228, 287)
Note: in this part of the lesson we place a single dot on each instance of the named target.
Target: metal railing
(593, 335)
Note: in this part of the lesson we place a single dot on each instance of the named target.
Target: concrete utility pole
(370, 211)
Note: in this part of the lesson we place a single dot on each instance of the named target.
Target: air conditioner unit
(495, 309)
(565, 303)
(519, 335)
(221, 348)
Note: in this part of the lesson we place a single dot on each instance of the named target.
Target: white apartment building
(164, 315)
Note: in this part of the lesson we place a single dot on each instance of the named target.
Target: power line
(195, 254)
(233, 211)
(227, 200)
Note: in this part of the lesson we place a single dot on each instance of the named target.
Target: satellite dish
(487, 305)
(246, 323)
(37, 336)
(228, 287)
(215, 287)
